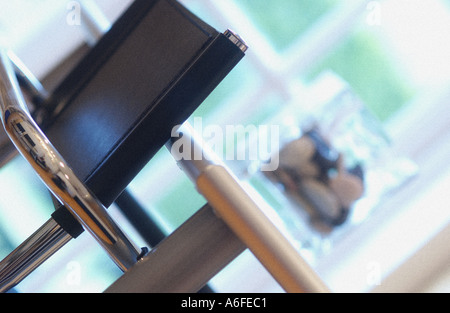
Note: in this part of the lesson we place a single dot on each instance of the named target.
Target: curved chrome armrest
(33, 85)
(56, 173)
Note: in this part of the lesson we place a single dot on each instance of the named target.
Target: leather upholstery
(146, 75)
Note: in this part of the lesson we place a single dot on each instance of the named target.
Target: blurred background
(392, 55)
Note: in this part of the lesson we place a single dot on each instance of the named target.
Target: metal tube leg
(186, 260)
(143, 223)
(31, 253)
(230, 201)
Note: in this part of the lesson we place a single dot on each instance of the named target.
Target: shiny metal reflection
(31, 253)
(56, 173)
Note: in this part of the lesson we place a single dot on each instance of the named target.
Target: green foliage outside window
(364, 63)
(283, 21)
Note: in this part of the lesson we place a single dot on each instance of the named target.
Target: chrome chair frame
(57, 175)
(228, 224)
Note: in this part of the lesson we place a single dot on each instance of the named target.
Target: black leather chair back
(149, 73)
